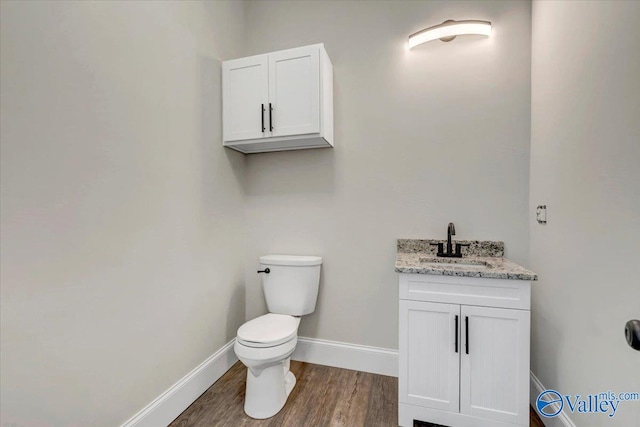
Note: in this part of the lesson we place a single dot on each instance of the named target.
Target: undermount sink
(454, 262)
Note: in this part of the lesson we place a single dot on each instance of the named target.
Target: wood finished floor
(323, 396)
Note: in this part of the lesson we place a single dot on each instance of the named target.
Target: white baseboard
(166, 407)
(376, 360)
(562, 420)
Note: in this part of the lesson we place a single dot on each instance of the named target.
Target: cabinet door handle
(466, 333)
(456, 332)
(270, 120)
(262, 116)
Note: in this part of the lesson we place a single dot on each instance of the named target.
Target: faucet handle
(440, 247)
(459, 247)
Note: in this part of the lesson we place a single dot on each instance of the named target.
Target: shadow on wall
(553, 342)
(211, 128)
(216, 204)
(309, 323)
(309, 171)
(236, 313)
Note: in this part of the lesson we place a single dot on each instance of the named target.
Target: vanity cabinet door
(429, 366)
(494, 366)
(245, 84)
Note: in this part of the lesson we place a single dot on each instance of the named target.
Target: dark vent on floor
(417, 423)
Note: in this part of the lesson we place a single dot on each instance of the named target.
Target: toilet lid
(268, 330)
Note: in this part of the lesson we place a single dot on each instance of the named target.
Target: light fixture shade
(448, 30)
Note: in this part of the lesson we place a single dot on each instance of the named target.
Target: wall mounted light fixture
(448, 31)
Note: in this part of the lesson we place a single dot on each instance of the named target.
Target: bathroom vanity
(464, 336)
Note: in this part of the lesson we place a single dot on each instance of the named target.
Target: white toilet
(265, 343)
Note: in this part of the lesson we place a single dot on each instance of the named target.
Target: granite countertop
(482, 258)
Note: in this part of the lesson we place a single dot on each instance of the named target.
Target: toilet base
(266, 393)
(289, 382)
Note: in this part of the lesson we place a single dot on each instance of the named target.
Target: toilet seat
(257, 358)
(269, 330)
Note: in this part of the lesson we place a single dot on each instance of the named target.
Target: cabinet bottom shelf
(408, 413)
(278, 144)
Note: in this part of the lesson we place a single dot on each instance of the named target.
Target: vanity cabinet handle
(466, 333)
(262, 116)
(456, 332)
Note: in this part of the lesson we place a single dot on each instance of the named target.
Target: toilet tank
(291, 286)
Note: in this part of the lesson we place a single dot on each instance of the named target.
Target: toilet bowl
(264, 344)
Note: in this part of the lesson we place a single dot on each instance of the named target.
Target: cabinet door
(429, 366)
(494, 373)
(245, 92)
(294, 91)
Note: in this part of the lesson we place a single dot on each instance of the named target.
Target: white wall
(122, 215)
(423, 137)
(585, 152)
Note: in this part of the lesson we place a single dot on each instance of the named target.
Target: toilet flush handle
(266, 270)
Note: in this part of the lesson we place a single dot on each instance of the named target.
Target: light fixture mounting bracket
(447, 39)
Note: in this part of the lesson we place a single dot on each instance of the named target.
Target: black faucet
(451, 231)
(449, 253)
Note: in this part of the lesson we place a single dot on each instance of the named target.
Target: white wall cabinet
(278, 101)
(462, 364)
